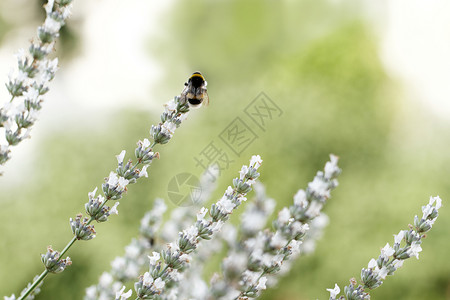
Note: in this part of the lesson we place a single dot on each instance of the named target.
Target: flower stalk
(406, 245)
(115, 186)
(266, 252)
(35, 71)
(165, 266)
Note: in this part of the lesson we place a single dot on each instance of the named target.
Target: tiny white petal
(331, 166)
(171, 105)
(398, 264)
(201, 214)
(148, 279)
(113, 209)
(243, 172)
(120, 157)
(143, 172)
(415, 249)
(399, 237)
(217, 226)
(300, 199)
(51, 25)
(92, 194)
(383, 272)
(261, 283)
(154, 258)
(145, 143)
(122, 182)
(284, 216)
(159, 283)
(334, 292)
(295, 246)
(387, 251)
(256, 161)
(372, 263)
(120, 295)
(168, 128)
(438, 202)
(278, 241)
(113, 179)
(225, 205)
(49, 6)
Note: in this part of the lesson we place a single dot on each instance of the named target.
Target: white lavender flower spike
(114, 188)
(266, 251)
(163, 274)
(30, 82)
(406, 244)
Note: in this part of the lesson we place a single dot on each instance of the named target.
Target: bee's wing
(185, 90)
(205, 98)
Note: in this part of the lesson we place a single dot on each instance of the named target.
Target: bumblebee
(195, 91)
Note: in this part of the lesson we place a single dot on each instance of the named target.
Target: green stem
(72, 241)
(66, 248)
(35, 284)
(44, 274)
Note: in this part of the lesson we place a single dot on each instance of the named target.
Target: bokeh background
(366, 80)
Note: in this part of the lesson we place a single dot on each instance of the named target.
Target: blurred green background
(319, 62)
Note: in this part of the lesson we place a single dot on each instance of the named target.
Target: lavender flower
(191, 284)
(163, 273)
(96, 207)
(30, 83)
(127, 267)
(81, 228)
(264, 253)
(392, 257)
(52, 261)
(120, 295)
(257, 212)
(116, 183)
(253, 220)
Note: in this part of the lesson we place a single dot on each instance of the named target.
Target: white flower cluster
(30, 82)
(190, 285)
(126, 268)
(253, 221)
(165, 270)
(263, 252)
(176, 111)
(115, 186)
(392, 257)
(256, 213)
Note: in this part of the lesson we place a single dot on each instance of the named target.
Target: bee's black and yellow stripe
(197, 74)
(197, 79)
